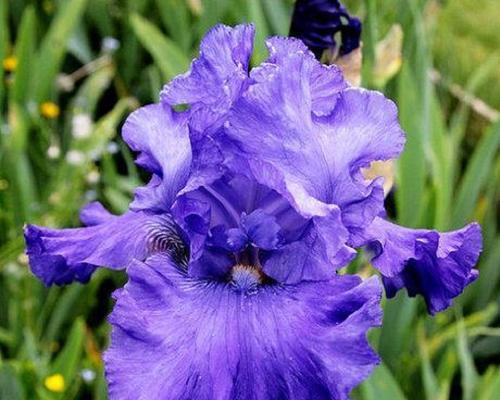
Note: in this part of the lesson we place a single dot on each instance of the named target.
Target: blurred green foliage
(467, 36)
(94, 61)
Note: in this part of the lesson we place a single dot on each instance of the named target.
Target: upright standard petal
(60, 256)
(215, 78)
(239, 339)
(436, 265)
(315, 160)
(162, 140)
(326, 81)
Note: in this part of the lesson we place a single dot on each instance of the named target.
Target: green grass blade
(279, 16)
(68, 360)
(411, 172)
(381, 385)
(397, 330)
(256, 15)
(25, 47)
(489, 277)
(469, 373)
(4, 41)
(166, 54)
(212, 12)
(476, 176)
(175, 17)
(53, 47)
(11, 387)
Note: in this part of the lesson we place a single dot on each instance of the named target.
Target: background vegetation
(73, 69)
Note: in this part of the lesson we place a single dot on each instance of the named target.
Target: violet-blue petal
(262, 229)
(59, 256)
(233, 239)
(94, 213)
(193, 217)
(314, 160)
(436, 265)
(316, 255)
(162, 140)
(327, 81)
(215, 78)
(178, 338)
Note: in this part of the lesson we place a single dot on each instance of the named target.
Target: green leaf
(4, 41)
(411, 172)
(490, 385)
(166, 54)
(489, 277)
(89, 94)
(63, 311)
(469, 373)
(381, 385)
(68, 360)
(256, 15)
(25, 47)
(175, 17)
(212, 12)
(476, 175)
(397, 329)
(53, 47)
(10, 384)
(279, 16)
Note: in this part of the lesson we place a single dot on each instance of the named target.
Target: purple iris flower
(232, 249)
(316, 22)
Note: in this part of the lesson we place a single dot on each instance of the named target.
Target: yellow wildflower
(55, 383)
(49, 110)
(10, 64)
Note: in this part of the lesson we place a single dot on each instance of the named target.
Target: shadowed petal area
(314, 160)
(60, 256)
(237, 219)
(436, 265)
(162, 140)
(319, 252)
(178, 338)
(215, 78)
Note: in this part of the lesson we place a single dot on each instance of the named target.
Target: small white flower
(81, 126)
(112, 148)
(87, 375)
(110, 44)
(75, 157)
(53, 151)
(93, 177)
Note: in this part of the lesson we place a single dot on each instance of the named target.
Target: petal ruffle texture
(162, 140)
(60, 256)
(216, 77)
(209, 340)
(326, 81)
(436, 265)
(315, 161)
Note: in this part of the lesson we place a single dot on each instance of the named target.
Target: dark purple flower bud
(316, 22)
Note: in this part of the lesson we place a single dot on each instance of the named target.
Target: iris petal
(436, 265)
(215, 78)
(60, 256)
(315, 161)
(162, 140)
(207, 340)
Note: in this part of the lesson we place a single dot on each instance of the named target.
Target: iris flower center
(246, 278)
